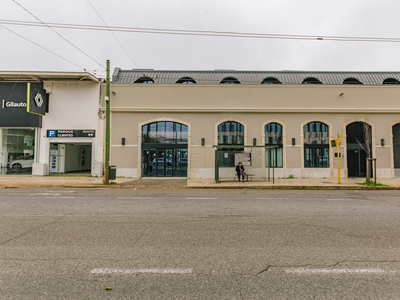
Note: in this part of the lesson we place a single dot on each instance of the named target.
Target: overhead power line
(205, 33)
(44, 24)
(42, 47)
(113, 35)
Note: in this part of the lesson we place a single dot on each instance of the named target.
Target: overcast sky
(344, 18)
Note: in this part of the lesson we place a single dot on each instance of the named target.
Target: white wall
(72, 105)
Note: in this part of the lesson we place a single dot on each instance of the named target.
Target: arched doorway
(359, 142)
(164, 149)
(396, 149)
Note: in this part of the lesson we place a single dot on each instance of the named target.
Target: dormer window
(351, 81)
(311, 80)
(144, 80)
(186, 80)
(391, 81)
(271, 80)
(230, 80)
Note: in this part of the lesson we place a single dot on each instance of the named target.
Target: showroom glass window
(273, 137)
(18, 150)
(316, 145)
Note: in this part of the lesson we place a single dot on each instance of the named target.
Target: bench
(250, 175)
(247, 177)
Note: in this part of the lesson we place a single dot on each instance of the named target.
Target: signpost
(335, 143)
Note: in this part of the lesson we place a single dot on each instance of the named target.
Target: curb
(279, 187)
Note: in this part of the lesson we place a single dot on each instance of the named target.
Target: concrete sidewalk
(182, 183)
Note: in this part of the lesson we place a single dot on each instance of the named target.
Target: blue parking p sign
(51, 133)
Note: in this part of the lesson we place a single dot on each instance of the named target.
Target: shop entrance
(70, 158)
(164, 162)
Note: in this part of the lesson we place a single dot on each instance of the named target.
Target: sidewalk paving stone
(182, 183)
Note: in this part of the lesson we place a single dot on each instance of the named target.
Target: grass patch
(371, 183)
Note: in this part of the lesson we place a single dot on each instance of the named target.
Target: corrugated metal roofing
(251, 77)
(40, 76)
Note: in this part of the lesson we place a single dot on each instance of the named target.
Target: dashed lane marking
(133, 198)
(45, 194)
(339, 271)
(107, 271)
(193, 198)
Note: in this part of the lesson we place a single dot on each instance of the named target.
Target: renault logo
(38, 100)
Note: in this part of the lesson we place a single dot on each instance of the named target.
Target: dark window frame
(315, 150)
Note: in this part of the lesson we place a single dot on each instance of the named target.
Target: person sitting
(240, 171)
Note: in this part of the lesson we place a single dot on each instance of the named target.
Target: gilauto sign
(22, 104)
(13, 104)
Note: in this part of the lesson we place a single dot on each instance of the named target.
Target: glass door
(160, 162)
(168, 162)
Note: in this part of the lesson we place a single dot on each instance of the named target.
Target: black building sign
(37, 99)
(14, 101)
(67, 133)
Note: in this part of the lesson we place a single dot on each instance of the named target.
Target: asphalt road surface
(198, 244)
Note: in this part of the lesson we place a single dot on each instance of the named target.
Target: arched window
(316, 145)
(144, 80)
(230, 80)
(273, 137)
(165, 133)
(271, 80)
(186, 80)
(164, 149)
(311, 80)
(351, 81)
(391, 81)
(230, 133)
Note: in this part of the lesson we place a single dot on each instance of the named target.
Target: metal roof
(250, 77)
(13, 76)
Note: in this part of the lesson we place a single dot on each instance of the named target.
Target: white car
(19, 164)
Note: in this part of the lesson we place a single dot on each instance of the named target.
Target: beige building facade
(179, 123)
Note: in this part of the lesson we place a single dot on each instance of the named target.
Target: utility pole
(335, 143)
(107, 154)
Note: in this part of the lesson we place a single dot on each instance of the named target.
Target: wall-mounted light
(293, 141)
(123, 141)
(203, 141)
(254, 142)
(112, 92)
(382, 142)
(341, 94)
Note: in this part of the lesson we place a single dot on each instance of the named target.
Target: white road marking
(271, 198)
(201, 198)
(45, 194)
(338, 271)
(62, 197)
(141, 271)
(131, 198)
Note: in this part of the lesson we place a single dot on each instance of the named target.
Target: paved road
(197, 244)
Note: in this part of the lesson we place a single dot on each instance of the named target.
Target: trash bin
(112, 172)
